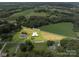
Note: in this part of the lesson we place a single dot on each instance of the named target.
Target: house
(57, 43)
(34, 34)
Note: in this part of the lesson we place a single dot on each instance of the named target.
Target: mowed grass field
(42, 35)
(65, 29)
(29, 32)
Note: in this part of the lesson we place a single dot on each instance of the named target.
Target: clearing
(42, 35)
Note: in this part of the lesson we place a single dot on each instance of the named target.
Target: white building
(34, 34)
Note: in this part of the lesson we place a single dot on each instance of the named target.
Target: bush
(50, 43)
(27, 46)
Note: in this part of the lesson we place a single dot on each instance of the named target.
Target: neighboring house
(23, 35)
(57, 43)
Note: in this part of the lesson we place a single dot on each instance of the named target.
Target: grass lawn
(42, 35)
(60, 28)
(29, 31)
(23, 13)
(40, 46)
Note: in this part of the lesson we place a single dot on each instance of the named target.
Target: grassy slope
(60, 28)
(29, 31)
(27, 13)
(12, 17)
(42, 35)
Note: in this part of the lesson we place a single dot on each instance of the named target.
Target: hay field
(42, 35)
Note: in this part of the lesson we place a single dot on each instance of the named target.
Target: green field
(64, 28)
(17, 38)
(27, 13)
(42, 35)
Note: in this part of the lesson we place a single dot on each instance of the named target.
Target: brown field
(52, 36)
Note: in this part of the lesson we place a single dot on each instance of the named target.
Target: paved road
(3, 48)
(17, 48)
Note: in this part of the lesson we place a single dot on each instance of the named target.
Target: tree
(70, 44)
(37, 21)
(50, 43)
(21, 21)
(7, 29)
(27, 46)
